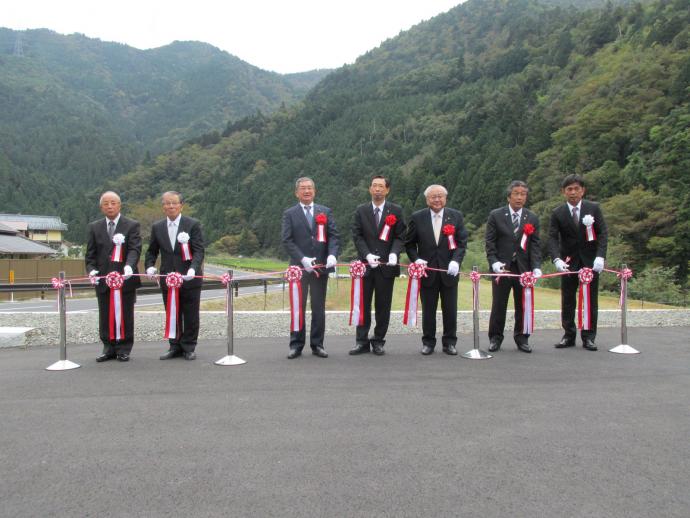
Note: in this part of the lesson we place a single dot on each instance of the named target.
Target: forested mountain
(75, 110)
(491, 91)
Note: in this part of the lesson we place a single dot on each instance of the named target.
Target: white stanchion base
(63, 365)
(230, 360)
(476, 354)
(624, 349)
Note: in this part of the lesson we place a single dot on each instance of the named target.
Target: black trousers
(123, 346)
(569, 289)
(376, 283)
(499, 305)
(449, 307)
(187, 319)
(317, 286)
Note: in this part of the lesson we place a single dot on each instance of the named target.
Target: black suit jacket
(300, 241)
(420, 243)
(100, 246)
(502, 243)
(171, 258)
(569, 240)
(366, 234)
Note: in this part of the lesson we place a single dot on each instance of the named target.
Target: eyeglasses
(436, 196)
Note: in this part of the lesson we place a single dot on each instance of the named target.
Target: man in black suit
(512, 246)
(100, 260)
(373, 242)
(316, 254)
(168, 238)
(573, 246)
(427, 243)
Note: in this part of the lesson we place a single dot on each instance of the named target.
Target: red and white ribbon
(173, 281)
(588, 222)
(294, 277)
(415, 272)
(116, 318)
(57, 284)
(475, 277)
(527, 231)
(183, 239)
(118, 253)
(226, 279)
(389, 223)
(357, 270)
(449, 232)
(584, 309)
(527, 281)
(624, 275)
(321, 220)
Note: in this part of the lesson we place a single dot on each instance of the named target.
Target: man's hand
(373, 260)
(190, 275)
(127, 272)
(537, 273)
(453, 268)
(331, 261)
(92, 274)
(561, 265)
(598, 264)
(151, 271)
(308, 263)
(497, 267)
(421, 261)
(392, 260)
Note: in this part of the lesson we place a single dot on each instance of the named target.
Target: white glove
(93, 273)
(190, 275)
(497, 267)
(307, 262)
(561, 265)
(392, 259)
(127, 272)
(331, 261)
(537, 273)
(598, 264)
(453, 268)
(421, 261)
(151, 271)
(373, 260)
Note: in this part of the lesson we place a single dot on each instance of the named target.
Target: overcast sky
(280, 35)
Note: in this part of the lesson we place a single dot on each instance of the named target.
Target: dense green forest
(75, 111)
(491, 91)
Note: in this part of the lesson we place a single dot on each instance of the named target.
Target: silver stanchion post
(476, 353)
(624, 348)
(230, 358)
(63, 364)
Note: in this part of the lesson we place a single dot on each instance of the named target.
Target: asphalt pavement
(555, 433)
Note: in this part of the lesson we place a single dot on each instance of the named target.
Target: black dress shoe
(377, 349)
(105, 357)
(426, 350)
(494, 346)
(565, 343)
(191, 355)
(170, 354)
(318, 351)
(359, 349)
(123, 357)
(589, 344)
(294, 353)
(450, 349)
(524, 347)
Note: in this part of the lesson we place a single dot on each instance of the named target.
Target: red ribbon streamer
(294, 277)
(116, 319)
(584, 308)
(357, 270)
(173, 281)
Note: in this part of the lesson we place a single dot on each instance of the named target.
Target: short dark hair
(514, 184)
(174, 193)
(381, 177)
(571, 179)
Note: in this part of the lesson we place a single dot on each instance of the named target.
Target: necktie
(172, 233)
(377, 216)
(576, 220)
(307, 213)
(437, 227)
(516, 222)
(111, 229)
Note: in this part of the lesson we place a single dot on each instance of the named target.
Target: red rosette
(625, 273)
(357, 269)
(114, 280)
(226, 278)
(416, 271)
(527, 280)
(57, 283)
(293, 273)
(174, 280)
(321, 219)
(448, 230)
(475, 276)
(586, 275)
(528, 229)
(390, 220)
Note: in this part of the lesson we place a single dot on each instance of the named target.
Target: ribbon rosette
(475, 277)
(183, 239)
(527, 281)
(415, 272)
(117, 256)
(57, 283)
(449, 232)
(116, 318)
(173, 281)
(624, 275)
(389, 223)
(527, 231)
(584, 309)
(294, 277)
(588, 222)
(357, 271)
(321, 220)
